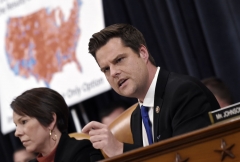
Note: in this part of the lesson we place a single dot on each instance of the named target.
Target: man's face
(125, 70)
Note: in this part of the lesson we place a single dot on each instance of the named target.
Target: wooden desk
(203, 145)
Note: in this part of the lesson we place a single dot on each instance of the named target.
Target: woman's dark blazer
(72, 150)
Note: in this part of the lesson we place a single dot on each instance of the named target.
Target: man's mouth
(120, 82)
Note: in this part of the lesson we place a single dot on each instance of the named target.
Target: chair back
(120, 127)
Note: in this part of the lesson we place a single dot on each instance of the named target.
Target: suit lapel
(156, 117)
(137, 126)
(158, 101)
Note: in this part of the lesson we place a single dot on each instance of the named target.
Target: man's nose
(114, 71)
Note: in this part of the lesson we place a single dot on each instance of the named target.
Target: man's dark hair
(130, 36)
(219, 89)
(41, 103)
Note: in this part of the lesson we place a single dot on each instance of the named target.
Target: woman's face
(32, 134)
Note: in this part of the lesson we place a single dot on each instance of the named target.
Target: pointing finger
(92, 125)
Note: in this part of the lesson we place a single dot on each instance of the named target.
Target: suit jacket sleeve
(189, 107)
(129, 147)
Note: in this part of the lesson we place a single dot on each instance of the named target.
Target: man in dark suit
(170, 104)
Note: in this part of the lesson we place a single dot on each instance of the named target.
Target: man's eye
(119, 59)
(105, 70)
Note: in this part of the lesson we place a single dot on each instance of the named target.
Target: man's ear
(144, 53)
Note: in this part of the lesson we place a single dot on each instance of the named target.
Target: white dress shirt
(149, 102)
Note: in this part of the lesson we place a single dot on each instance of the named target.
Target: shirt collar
(149, 98)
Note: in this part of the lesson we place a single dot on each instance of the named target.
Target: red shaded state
(36, 45)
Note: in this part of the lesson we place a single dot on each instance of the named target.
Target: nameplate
(225, 113)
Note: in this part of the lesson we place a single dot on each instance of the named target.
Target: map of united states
(41, 43)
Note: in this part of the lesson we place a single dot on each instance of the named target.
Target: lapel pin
(157, 109)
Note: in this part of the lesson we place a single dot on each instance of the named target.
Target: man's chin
(126, 94)
(124, 91)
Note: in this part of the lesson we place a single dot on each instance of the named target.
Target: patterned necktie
(147, 123)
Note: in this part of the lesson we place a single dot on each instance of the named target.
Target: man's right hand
(102, 138)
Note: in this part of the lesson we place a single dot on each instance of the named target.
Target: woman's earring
(55, 136)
